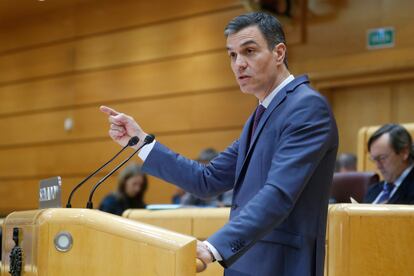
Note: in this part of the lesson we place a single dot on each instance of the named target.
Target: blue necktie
(386, 193)
(257, 115)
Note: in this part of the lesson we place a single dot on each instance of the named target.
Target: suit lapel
(249, 144)
(374, 192)
(244, 142)
(402, 189)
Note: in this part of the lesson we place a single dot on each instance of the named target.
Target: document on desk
(353, 200)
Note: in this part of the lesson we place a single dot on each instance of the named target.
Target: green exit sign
(380, 38)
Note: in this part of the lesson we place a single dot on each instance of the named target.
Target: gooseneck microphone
(132, 142)
(148, 140)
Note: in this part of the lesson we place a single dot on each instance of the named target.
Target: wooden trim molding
(359, 69)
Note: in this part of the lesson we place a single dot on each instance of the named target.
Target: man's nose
(379, 165)
(240, 63)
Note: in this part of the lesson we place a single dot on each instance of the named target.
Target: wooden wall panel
(368, 105)
(79, 158)
(170, 77)
(203, 33)
(186, 113)
(343, 31)
(21, 168)
(403, 102)
(356, 107)
(95, 17)
(32, 63)
(180, 37)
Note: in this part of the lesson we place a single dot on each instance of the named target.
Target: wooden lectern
(367, 239)
(197, 222)
(58, 242)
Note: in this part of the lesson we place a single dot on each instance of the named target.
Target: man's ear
(279, 52)
(405, 153)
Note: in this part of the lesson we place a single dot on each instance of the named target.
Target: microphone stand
(132, 142)
(148, 140)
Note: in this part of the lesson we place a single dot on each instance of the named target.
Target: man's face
(389, 163)
(254, 65)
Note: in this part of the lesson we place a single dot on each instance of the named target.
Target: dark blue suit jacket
(403, 195)
(281, 182)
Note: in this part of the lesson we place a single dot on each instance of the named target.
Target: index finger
(109, 111)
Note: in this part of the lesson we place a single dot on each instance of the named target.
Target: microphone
(148, 140)
(132, 142)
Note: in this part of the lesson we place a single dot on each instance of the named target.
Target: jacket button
(234, 206)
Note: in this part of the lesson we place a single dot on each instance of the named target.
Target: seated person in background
(132, 185)
(184, 198)
(179, 193)
(392, 151)
(346, 162)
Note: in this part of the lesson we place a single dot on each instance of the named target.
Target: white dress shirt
(397, 183)
(270, 97)
(145, 151)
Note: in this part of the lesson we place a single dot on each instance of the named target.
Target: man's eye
(232, 55)
(250, 51)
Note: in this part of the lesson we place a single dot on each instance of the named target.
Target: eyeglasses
(380, 158)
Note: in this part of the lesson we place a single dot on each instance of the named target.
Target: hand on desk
(204, 255)
(123, 127)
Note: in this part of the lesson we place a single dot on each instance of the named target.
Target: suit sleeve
(201, 180)
(306, 137)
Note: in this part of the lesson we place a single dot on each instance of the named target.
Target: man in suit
(392, 151)
(280, 167)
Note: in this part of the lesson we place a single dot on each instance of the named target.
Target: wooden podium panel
(370, 240)
(103, 244)
(197, 222)
(173, 220)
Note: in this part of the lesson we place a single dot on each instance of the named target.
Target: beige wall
(164, 63)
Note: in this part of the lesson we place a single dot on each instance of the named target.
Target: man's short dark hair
(268, 25)
(400, 138)
(347, 161)
(207, 155)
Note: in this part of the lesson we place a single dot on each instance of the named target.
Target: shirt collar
(266, 102)
(404, 174)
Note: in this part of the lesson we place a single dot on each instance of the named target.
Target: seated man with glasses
(391, 149)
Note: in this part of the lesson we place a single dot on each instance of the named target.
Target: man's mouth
(243, 77)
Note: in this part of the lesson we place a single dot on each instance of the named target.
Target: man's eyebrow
(244, 44)
(249, 42)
